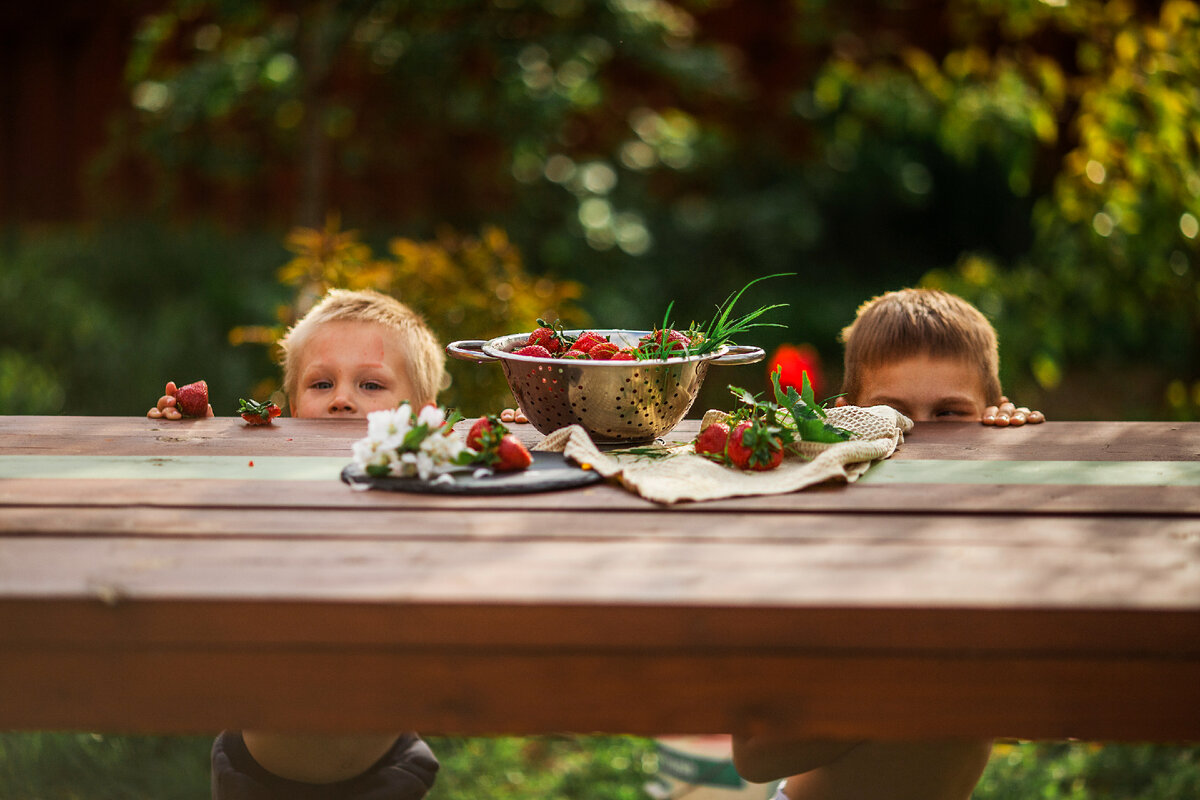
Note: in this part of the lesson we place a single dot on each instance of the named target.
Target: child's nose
(341, 404)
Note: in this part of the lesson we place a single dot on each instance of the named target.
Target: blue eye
(372, 385)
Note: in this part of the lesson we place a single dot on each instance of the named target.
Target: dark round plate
(549, 472)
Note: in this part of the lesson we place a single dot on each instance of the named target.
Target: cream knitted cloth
(681, 475)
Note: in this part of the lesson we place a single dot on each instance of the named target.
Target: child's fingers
(154, 413)
(166, 401)
(513, 415)
(170, 412)
(989, 415)
(1034, 417)
(171, 388)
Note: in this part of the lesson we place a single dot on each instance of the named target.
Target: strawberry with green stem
(256, 413)
(495, 447)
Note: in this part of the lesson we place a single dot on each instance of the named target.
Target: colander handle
(740, 354)
(470, 350)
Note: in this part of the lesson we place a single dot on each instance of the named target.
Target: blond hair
(424, 362)
(911, 322)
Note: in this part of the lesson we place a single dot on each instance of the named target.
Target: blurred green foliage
(69, 766)
(95, 322)
(466, 287)
(1039, 158)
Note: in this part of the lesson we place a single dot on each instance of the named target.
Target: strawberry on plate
(256, 413)
(496, 447)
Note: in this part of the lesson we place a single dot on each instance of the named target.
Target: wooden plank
(845, 626)
(860, 498)
(1053, 563)
(1076, 441)
(822, 695)
(1082, 441)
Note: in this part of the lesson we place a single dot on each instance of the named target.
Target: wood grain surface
(885, 608)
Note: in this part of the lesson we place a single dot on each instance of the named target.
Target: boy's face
(926, 389)
(349, 369)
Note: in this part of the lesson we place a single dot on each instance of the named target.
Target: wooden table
(1040, 582)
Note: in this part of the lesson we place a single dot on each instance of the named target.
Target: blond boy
(932, 356)
(353, 353)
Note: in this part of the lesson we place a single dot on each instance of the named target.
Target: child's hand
(1007, 414)
(166, 406)
(513, 415)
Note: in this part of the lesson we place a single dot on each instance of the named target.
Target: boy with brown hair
(353, 353)
(931, 356)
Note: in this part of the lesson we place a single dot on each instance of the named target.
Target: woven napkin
(681, 475)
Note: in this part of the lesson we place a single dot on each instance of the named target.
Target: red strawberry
(604, 351)
(535, 350)
(256, 413)
(752, 446)
(627, 354)
(511, 455)
(192, 400)
(575, 354)
(587, 341)
(547, 338)
(712, 440)
(486, 431)
(669, 341)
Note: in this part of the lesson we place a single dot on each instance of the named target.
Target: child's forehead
(946, 373)
(351, 339)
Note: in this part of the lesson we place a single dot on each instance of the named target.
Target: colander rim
(493, 348)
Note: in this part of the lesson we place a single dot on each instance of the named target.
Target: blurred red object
(794, 360)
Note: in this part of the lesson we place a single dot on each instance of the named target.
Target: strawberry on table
(753, 446)
(256, 413)
(712, 441)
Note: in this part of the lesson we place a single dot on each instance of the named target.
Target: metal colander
(615, 401)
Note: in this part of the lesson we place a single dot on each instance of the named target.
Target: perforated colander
(615, 401)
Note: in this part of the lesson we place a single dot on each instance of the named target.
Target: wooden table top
(1040, 582)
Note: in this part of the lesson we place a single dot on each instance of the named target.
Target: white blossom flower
(431, 415)
(385, 449)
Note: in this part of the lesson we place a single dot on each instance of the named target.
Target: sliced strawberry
(535, 350)
(712, 441)
(604, 351)
(511, 455)
(256, 413)
(192, 399)
(587, 341)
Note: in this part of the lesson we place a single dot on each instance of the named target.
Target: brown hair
(425, 360)
(910, 322)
